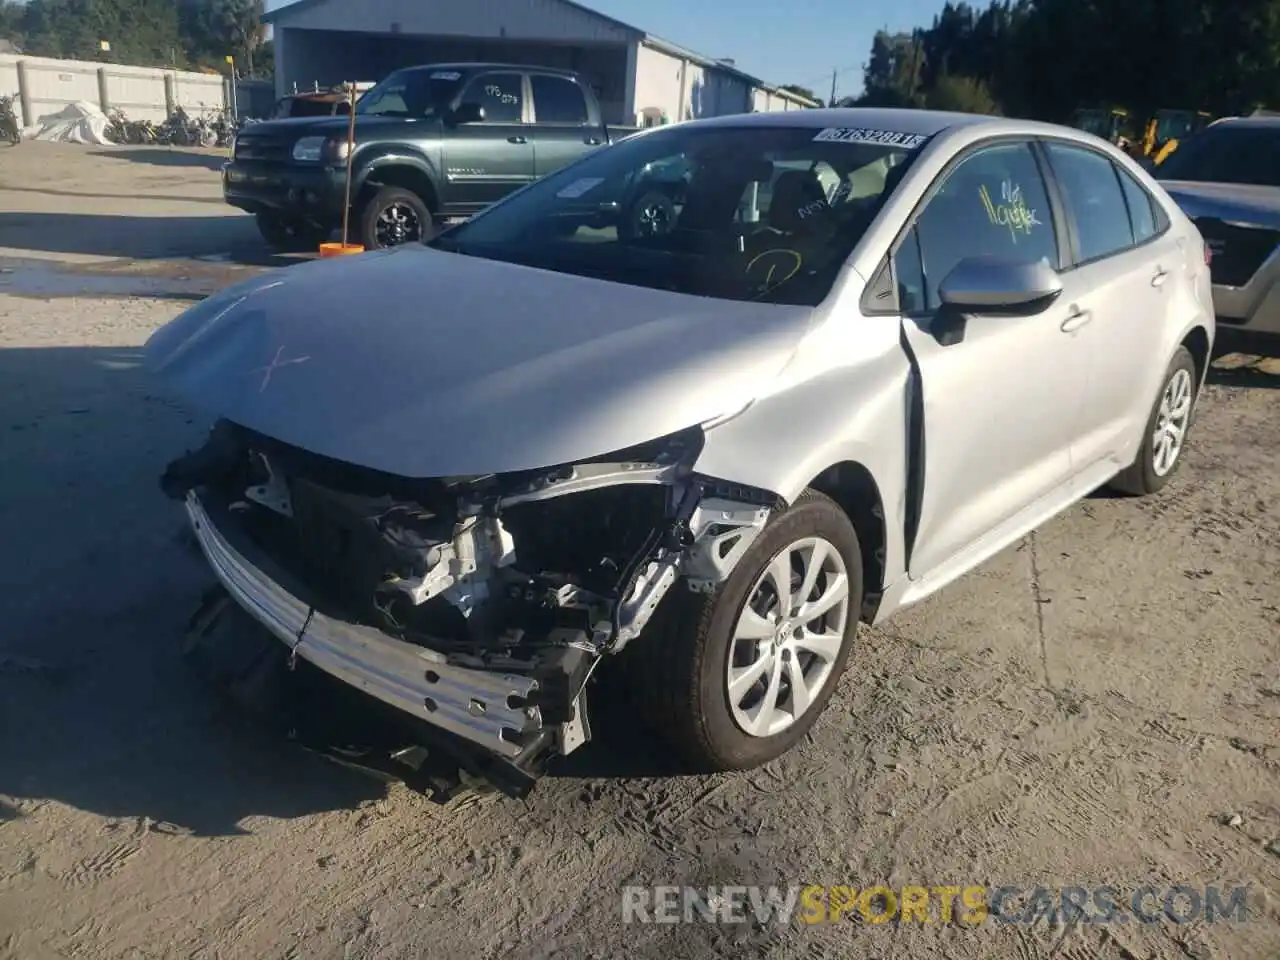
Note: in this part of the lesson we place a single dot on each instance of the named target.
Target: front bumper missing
(491, 710)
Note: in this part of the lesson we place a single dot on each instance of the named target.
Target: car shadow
(162, 156)
(99, 709)
(233, 238)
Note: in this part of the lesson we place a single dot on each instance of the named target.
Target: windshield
(740, 213)
(1095, 122)
(1227, 154)
(1174, 126)
(417, 92)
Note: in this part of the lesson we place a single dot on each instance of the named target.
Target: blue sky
(800, 41)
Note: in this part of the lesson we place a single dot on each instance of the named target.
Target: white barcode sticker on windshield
(446, 75)
(888, 138)
(579, 187)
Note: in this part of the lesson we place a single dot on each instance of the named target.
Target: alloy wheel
(397, 224)
(1172, 420)
(788, 636)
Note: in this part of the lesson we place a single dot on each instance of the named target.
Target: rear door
(563, 127)
(1124, 263)
(998, 402)
(485, 161)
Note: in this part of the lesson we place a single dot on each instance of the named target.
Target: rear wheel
(734, 679)
(394, 216)
(1165, 436)
(290, 235)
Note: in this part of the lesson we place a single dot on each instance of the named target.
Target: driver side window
(994, 203)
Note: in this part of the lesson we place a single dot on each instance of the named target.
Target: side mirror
(468, 113)
(994, 285)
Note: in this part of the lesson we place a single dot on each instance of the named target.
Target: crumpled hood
(1233, 202)
(422, 363)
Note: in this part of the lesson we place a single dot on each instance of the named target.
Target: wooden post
(351, 141)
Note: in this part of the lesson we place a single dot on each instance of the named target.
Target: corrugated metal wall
(494, 19)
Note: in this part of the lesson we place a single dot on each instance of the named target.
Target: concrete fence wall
(43, 87)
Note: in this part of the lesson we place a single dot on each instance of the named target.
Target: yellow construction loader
(1167, 129)
(1109, 123)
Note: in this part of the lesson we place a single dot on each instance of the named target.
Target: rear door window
(558, 100)
(1094, 199)
(1142, 208)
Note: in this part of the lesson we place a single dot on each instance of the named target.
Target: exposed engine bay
(502, 587)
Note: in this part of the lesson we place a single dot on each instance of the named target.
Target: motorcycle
(120, 129)
(10, 127)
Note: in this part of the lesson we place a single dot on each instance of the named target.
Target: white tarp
(80, 122)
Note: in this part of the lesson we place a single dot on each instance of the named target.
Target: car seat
(799, 204)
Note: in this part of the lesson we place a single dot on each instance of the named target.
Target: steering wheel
(770, 269)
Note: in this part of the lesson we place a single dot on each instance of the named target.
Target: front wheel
(734, 679)
(1166, 433)
(394, 216)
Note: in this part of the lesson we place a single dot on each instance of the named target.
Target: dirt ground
(1100, 705)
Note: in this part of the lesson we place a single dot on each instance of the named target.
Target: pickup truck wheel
(652, 215)
(734, 679)
(394, 216)
(1165, 436)
(287, 235)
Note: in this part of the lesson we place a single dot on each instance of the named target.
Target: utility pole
(834, 73)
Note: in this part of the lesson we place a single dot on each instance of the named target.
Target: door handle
(516, 140)
(1159, 277)
(1076, 319)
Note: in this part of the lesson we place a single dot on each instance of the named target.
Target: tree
(802, 91)
(242, 22)
(139, 31)
(961, 94)
(892, 77)
(11, 15)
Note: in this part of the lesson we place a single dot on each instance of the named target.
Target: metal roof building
(640, 79)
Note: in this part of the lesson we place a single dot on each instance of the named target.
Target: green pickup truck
(432, 143)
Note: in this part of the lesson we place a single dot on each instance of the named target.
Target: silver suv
(1227, 179)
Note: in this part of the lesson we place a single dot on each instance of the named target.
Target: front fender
(381, 156)
(855, 411)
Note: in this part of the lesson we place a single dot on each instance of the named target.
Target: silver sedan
(858, 353)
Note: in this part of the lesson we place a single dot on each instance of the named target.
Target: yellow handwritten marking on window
(1012, 210)
(790, 263)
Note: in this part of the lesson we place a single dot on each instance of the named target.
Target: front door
(998, 400)
(563, 129)
(1128, 270)
(485, 161)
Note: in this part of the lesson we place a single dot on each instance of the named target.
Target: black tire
(1142, 477)
(394, 216)
(651, 215)
(287, 235)
(678, 669)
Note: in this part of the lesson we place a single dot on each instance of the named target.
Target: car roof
(920, 122)
(1265, 122)
(924, 123)
(471, 66)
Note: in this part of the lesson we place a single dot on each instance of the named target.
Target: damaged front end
(478, 605)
